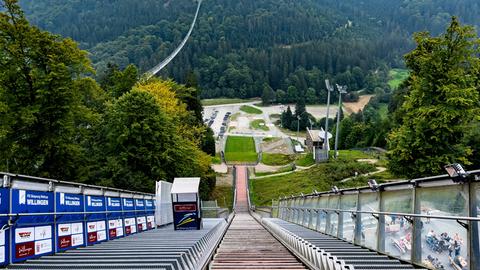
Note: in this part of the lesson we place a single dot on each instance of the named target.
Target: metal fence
(432, 222)
(41, 216)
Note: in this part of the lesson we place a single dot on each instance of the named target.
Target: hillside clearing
(240, 149)
(397, 76)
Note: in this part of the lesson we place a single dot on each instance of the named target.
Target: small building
(186, 203)
(315, 144)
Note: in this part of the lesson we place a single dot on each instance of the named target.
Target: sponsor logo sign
(32, 199)
(28, 201)
(130, 226)
(149, 203)
(70, 235)
(43, 232)
(25, 250)
(100, 225)
(92, 237)
(185, 207)
(91, 227)
(64, 229)
(96, 231)
(113, 203)
(127, 204)
(32, 241)
(94, 201)
(65, 241)
(70, 200)
(101, 235)
(77, 240)
(23, 235)
(77, 228)
(139, 203)
(120, 231)
(185, 216)
(43, 246)
(112, 233)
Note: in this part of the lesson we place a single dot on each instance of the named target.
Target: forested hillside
(239, 47)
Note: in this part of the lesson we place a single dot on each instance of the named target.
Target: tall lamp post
(298, 128)
(325, 141)
(342, 89)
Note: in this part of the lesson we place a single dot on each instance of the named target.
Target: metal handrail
(411, 182)
(75, 184)
(208, 258)
(72, 213)
(306, 210)
(383, 213)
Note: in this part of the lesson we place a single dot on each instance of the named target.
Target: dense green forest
(238, 47)
(279, 50)
(58, 122)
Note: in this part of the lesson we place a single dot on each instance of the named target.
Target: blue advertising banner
(129, 217)
(66, 202)
(28, 201)
(4, 240)
(32, 235)
(114, 217)
(70, 232)
(141, 215)
(96, 223)
(150, 206)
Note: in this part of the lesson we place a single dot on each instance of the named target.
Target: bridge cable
(169, 58)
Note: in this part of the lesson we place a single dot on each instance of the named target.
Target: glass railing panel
(296, 212)
(369, 223)
(444, 242)
(299, 219)
(398, 231)
(333, 203)
(307, 215)
(314, 214)
(322, 215)
(348, 202)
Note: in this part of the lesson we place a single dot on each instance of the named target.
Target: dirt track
(354, 107)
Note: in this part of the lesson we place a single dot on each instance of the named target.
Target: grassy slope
(241, 149)
(276, 159)
(305, 160)
(259, 124)
(320, 177)
(222, 101)
(397, 76)
(250, 109)
(216, 159)
(223, 195)
(287, 168)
